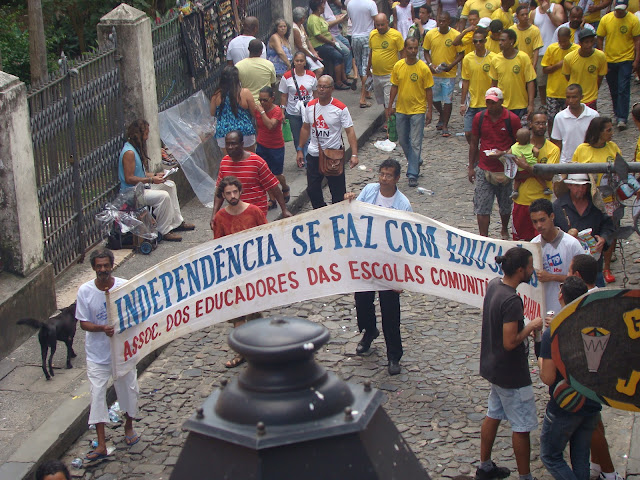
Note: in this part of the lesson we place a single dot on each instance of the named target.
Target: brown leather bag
(330, 160)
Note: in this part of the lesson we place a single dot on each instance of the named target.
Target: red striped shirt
(255, 176)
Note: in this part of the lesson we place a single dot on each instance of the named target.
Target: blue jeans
(345, 49)
(557, 431)
(295, 122)
(410, 132)
(619, 81)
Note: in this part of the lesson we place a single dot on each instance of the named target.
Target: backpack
(507, 123)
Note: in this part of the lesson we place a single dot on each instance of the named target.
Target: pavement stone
(438, 401)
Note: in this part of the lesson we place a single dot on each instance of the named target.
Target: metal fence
(77, 132)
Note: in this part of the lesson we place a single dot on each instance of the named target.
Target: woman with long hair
(233, 107)
(297, 86)
(598, 148)
(279, 48)
(160, 194)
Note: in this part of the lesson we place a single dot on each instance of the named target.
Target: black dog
(59, 327)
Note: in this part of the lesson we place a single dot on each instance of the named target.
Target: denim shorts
(518, 405)
(468, 117)
(443, 89)
(274, 158)
(360, 48)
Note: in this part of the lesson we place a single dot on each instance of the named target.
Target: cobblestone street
(437, 402)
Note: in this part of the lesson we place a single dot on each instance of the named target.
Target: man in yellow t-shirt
(594, 11)
(504, 13)
(531, 189)
(442, 56)
(484, 7)
(386, 47)
(493, 38)
(529, 40)
(463, 39)
(622, 51)
(411, 82)
(513, 72)
(552, 66)
(586, 67)
(475, 81)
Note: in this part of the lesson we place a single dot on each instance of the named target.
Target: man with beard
(91, 310)
(235, 217)
(574, 24)
(530, 189)
(503, 362)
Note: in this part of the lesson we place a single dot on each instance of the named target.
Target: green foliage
(14, 42)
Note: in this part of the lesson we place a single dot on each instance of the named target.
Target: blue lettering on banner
(413, 237)
(466, 251)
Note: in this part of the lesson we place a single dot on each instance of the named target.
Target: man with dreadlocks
(161, 193)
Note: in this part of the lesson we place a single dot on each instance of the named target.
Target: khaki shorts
(382, 89)
(541, 78)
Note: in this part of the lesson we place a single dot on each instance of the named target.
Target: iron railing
(77, 132)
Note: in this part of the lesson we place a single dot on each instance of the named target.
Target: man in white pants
(91, 310)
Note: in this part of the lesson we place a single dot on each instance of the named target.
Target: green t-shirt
(317, 26)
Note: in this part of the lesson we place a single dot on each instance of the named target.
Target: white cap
(484, 22)
(577, 179)
(495, 94)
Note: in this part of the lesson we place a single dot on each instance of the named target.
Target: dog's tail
(31, 322)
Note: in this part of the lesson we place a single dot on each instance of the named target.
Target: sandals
(172, 237)
(365, 105)
(271, 204)
(131, 440)
(342, 86)
(93, 456)
(439, 126)
(184, 227)
(286, 194)
(234, 362)
(445, 133)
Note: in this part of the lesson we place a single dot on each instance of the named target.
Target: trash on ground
(385, 145)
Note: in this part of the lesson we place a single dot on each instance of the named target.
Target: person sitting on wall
(160, 194)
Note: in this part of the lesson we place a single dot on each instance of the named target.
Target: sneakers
(413, 182)
(617, 476)
(622, 125)
(494, 472)
(394, 368)
(365, 344)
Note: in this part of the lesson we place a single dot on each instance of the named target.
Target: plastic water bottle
(391, 128)
(94, 444)
(76, 462)
(425, 191)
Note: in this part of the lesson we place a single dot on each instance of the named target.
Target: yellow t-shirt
(467, 43)
(412, 81)
(619, 33)
(556, 82)
(492, 45)
(512, 76)
(637, 155)
(585, 71)
(442, 49)
(585, 153)
(484, 7)
(384, 50)
(505, 17)
(595, 16)
(531, 189)
(529, 40)
(476, 70)
(634, 6)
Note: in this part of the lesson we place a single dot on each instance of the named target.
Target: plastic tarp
(187, 131)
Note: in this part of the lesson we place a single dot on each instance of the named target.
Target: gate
(77, 132)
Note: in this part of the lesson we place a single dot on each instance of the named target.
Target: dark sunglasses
(480, 41)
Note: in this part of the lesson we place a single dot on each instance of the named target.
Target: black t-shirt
(589, 408)
(506, 369)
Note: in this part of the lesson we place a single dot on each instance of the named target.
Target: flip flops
(286, 194)
(445, 133)
(131, 440)
(236, 361)
(365, 105)
(93, 456)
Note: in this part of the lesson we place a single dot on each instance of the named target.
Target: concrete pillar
(21, 241)
(138, 80)
(282, 9)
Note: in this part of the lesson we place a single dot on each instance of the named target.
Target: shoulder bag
(300, 104)
(330, 160)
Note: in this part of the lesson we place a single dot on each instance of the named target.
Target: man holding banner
(91, 310)
(384, 194)
(503, 362)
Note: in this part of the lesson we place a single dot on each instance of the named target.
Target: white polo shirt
(570, 130)
(327, 125)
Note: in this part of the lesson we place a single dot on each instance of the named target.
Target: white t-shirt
(238, 48)
(588, 26)
(329, 121)
(307, 84)
(386, 202)
(556, 259)
(91, 306)
(405, 19)
(546, 27)
(570, 130)
(430, 25)
(361, 13)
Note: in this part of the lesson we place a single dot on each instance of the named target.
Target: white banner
(343, 248)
